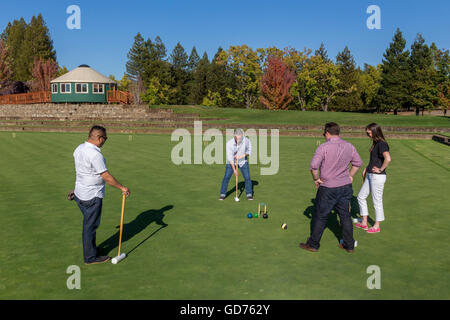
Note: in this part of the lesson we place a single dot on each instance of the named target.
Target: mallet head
(117, 259)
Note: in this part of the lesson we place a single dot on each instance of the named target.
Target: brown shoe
(98, 260)
(342, 247)
(307, 247)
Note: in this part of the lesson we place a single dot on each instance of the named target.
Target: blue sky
(108, 27)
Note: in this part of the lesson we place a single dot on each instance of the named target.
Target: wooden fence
(112, 96)
(26, 98)
(117, 96)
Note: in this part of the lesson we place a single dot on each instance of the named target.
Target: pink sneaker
(373, 230)
(359, 225)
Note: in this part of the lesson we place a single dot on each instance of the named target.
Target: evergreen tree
(62, 70)
(220, 81)
(441, 62)
(36, 43)
(393, 92)
(13, 37)
(322, 52)
(179, 72)
(179, 58)
(193, 60)
(155, 65)
(198, 87)
(423, 93)
(159, 49)
(138, 57)
(349, 76)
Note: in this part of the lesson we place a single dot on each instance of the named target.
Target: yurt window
(99, 88)
(81, 88)
(65, 88)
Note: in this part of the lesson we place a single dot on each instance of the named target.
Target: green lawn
(209, 249)
(311, 118)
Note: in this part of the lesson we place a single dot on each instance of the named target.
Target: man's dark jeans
(92, 210)
(245, 170)
(327, 199)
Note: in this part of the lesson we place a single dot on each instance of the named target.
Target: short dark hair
(332, 128)
(96, 128)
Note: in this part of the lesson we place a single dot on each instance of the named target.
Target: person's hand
(236, 157)
(364, 173)
(71, 195)
(125, 191)
(376, 170)
(351, 179)
(236, 173)
(318, 182)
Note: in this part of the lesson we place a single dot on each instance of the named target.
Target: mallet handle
(121, 222)
(235, 165)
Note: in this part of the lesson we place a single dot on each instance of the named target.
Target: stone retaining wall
(82, 111)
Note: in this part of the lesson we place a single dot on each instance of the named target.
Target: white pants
(373, 184)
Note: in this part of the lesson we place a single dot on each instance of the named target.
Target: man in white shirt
(91, 175)
(238, 149)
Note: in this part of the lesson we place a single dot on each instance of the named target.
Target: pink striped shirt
(332, 158)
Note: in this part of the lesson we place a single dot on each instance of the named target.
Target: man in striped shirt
(333, 179)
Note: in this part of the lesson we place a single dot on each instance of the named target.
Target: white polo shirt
(89, 164)
(245, 147)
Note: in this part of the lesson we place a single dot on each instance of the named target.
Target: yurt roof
(85, 74)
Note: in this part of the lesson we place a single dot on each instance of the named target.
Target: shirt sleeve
(98, 163)
(356, 159)
(249, 147)
(383, 147)
(317, 159)
(230, 155)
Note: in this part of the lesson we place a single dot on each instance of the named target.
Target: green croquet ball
(255, 215)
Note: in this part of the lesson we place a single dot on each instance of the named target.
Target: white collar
(91, 145)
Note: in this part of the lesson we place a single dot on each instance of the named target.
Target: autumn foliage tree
(275, 84)
(43, 72)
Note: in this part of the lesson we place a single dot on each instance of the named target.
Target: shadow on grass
(241, 188)
(142, 221)
(333, 223)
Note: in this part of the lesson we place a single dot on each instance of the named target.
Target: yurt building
(81, 85)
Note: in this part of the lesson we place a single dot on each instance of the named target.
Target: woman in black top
(374, 176)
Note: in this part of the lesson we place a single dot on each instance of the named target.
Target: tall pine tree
(198, 87)
(138, 57)
(180, 76)
(349, 98)
(395, 76)
(220, 80)
(193, 60)
(441, 62)
(423, 93)
(322, 52)
(37, 43)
